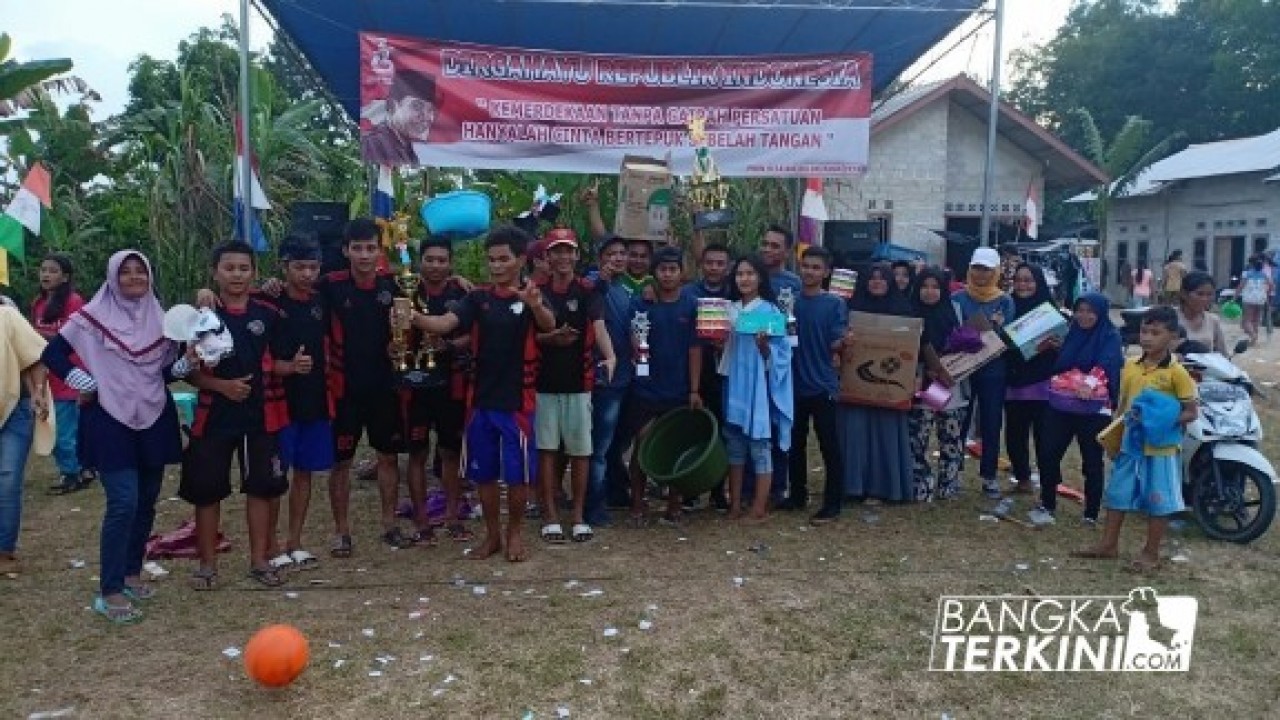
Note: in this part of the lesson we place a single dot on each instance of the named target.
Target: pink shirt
(48, 330)
(1142, 283)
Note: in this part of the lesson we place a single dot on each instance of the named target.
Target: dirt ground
(711, 620)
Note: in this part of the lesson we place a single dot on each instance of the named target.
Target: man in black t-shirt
(306, 443)
(240, 408)
(565, 378)
(499, 433)
(440, 408)
(362, 381)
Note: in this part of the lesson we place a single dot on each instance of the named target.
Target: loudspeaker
(851, 242)
(326, 222)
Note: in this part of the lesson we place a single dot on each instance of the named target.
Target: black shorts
(433, 409)
(206, 468)
(377, 412)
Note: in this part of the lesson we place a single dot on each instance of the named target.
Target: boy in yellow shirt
(1151, 482)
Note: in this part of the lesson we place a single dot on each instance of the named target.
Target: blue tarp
(895, 32)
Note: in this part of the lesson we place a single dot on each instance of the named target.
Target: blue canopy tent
(895, 32)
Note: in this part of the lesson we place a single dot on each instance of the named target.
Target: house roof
(895, 32)
(1260, 153)
(1064, 167)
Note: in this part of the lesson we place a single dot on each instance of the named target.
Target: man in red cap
(566, 374)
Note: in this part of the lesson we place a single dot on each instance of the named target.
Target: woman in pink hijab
(129, 420)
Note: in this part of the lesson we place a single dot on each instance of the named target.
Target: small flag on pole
(813, 212)
(24, 211)
(1031, 211)
(257, 238)
(384, 192)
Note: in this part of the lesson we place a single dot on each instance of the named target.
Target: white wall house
(925, 171)
(1217, 202)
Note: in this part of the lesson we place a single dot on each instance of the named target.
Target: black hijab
(940, 318)
(891, 303)
(1022, 306)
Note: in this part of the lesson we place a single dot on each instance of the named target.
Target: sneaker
(991, 488)
(1041, 517)
(1089, 522)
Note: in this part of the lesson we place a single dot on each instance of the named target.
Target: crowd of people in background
(541, 378)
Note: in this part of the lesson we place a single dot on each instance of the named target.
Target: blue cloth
(126, 523)
(1099, 346)
(758, 398)
(820, 322)
(306, 445)
(67, 413)
(15, 442)
(671, 334)
(970, 307)
(616, 309)
(1152, 421)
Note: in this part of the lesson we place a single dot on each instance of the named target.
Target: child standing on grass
(240, 409)
(1157, 400)
(758, 399)
(56, 303)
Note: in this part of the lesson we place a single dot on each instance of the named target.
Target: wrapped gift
(712, 320)
(1080, 393)
(842, 282)
(1026, 333)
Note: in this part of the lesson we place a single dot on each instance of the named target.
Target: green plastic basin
(683, 450)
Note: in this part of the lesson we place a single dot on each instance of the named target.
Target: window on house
(1198, 253)
(1143, 249)
(871, 204)
(1122, 259)
(1217, 224)
(888, 204)
(1261, 222)
(1260, 242)
(1142, 228)
(1199, 226)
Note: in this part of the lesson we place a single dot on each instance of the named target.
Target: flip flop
(582, 533)
(118, 614)
(1092, 554)
(282, 562)
(341, 547)
(138, 592)
(303, 560)
(204, 579)
(266, 576)
(1139, 566)
(424, 538)
(459, 533)
(553, 534)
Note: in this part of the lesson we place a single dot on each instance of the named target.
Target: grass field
(778, 621)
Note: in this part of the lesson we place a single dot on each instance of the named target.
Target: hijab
(983, 293)
(1022, 306)
(1099, 346)
(122, 345)
(940, 318)
(891, 303)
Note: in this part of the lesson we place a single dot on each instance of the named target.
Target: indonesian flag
(1030, 211)
(384, 192)
(813, 213)
(257, 238)
(24, 211)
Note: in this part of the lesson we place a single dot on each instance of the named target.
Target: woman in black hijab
(932, 303)
(1027, 381)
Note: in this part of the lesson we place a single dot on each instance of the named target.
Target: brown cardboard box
(878, 365)
(644, 199)
(962, 365)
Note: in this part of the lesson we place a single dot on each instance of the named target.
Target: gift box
(1026, 333)
(878, 365)
(712, 319)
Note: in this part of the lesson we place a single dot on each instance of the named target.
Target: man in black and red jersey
(241, 406)
(499, 434)
(441, 408)
(566, 375)
(362, 380)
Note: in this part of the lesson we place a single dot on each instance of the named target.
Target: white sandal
(582, 533)
(553, 534)
(282, 562)
(304, 560)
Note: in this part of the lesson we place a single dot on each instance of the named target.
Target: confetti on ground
(1022, 566)
(596, 592)
(339, 663)
(375, 673)
(738, 581)
(368, 632)
(645, 625)
(562, 712)
(426, 658)
(437, 692)
(154, 569)
(333, 644)
(571, 584)
(450, 678)
(611, 632)
(1180, 558)
(291, 595)
(585, 681)
(415, 615)
(232, 652)
(50, 714)
(479, 590)
(77, 564)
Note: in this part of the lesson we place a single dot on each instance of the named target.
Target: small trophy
(640, 328)
(707, 189)
(787, 301)
(409, 350)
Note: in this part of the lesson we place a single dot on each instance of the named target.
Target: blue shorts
(500, 445)
(738, 446)
(1147, 484)
(306, 445)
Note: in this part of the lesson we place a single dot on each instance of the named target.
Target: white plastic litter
(646, 625)
(611, 632)
(232, 652)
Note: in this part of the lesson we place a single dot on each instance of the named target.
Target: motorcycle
(1227, 483)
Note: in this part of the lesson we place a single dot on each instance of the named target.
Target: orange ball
(276, 655)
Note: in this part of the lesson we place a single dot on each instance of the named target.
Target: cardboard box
(962, 365)
(644, 199)
(878, 366)
(1027, 332)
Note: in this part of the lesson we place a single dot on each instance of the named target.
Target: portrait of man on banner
(401, 119)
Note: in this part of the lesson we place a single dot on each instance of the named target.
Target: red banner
(424, 102)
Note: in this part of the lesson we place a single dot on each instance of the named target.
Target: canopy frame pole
(993, 119)
(246, 138)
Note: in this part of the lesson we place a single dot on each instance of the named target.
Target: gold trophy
(707, 188)
(413, 354)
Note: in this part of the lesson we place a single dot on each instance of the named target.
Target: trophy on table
(787, 301)
(707, 188)
(640, 328)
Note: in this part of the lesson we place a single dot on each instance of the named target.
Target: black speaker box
(326, 222)
(851, 242)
